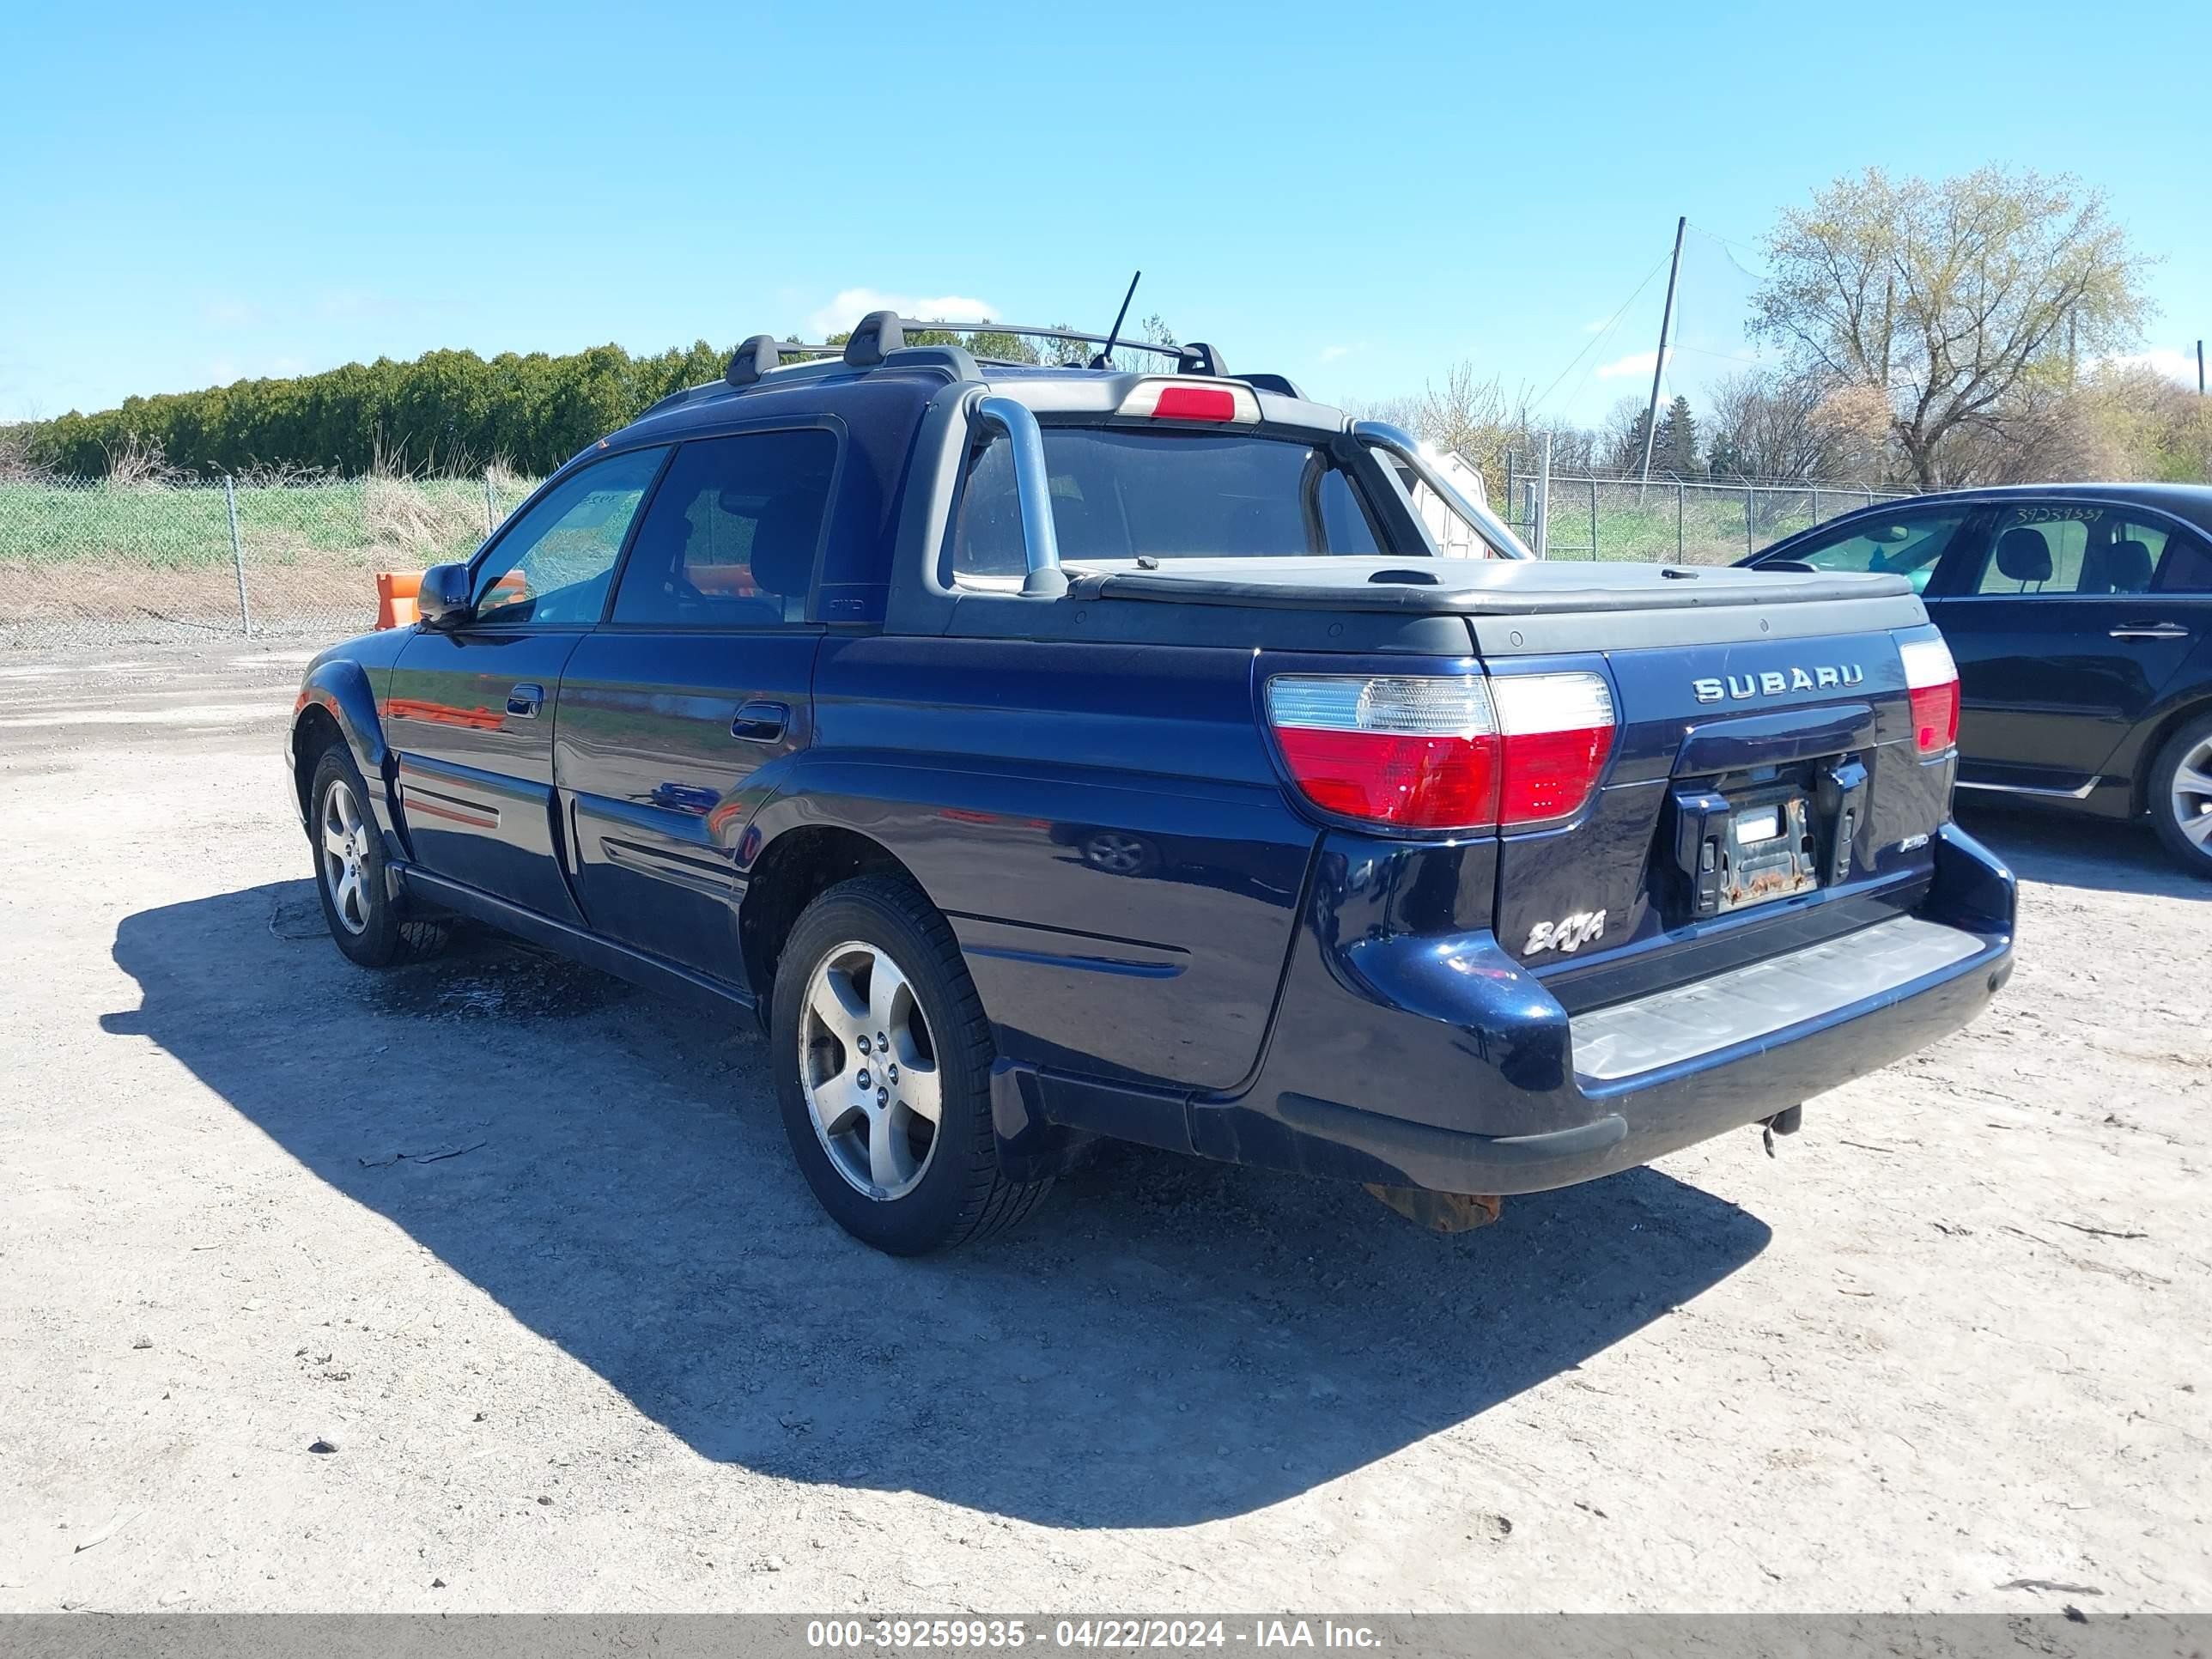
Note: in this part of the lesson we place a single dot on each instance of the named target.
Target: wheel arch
(790, 872)
(336, 703)
(2154, 743)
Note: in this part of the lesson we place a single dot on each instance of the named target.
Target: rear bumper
(1443, 1064)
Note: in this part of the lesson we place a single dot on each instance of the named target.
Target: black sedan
(2081, 618)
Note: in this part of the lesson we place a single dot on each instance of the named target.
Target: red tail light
(1416, 753)
(1443, 752)
(1931, 680)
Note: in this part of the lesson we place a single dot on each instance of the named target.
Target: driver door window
(1906, 544)
(553, 564)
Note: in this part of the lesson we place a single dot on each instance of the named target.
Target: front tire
(349, 867)
(883, 1066)
(2181, 796)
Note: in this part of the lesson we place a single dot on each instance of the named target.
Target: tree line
(450, 412)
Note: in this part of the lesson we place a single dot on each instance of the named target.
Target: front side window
(1119, 495)
(553, 564)
(1906, 544)
(730, 538)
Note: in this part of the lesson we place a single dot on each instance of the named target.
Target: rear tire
(875, 1026)
(2181, 796)
(351, 873)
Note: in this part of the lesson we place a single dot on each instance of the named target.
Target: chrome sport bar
(1040, 540)
(1403, 445)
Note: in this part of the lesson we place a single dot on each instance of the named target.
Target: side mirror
(442, 600)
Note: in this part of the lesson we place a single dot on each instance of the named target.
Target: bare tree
(1950, 299)
(19, 460)
(1764, 424)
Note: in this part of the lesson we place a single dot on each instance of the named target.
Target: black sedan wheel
(2181, 795)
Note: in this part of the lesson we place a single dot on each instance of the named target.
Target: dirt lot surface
(524, 1247)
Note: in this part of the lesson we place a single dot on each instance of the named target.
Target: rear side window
(1905, 543)
(1119, 495)
(729, 540)
(2187, 566)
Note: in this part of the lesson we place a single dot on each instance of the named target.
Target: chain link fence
(102, 562)
(1672, 521)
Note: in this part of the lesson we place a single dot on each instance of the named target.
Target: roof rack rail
(880, 334)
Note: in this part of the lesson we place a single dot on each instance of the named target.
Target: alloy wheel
(345, 857)
(1116, 853)
(869, 1067)
(2192, 794)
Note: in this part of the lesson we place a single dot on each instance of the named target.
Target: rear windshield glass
(1119, 495)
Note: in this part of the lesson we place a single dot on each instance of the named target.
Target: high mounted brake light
(1454, 752)
(1931, 681)
(1209, 401)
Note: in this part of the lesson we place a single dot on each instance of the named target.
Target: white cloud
(230, 313)
(2175, 365)
(854, 303)
(1597, 327)
(1637, 362)
(1331, 353)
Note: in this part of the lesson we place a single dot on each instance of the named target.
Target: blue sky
(1354, 196)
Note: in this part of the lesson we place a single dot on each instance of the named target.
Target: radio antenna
(1114, 334)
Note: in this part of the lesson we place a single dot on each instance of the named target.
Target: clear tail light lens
(1557, 731)
(1443, 752)
(1931, 681)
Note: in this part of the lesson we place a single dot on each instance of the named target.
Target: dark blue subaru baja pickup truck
(1046, 753)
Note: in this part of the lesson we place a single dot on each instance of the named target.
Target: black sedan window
(1906, 544)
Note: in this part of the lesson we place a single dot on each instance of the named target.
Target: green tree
(1952, 300)
(1678, 441)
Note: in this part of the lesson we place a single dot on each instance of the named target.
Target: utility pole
(1666, 320)
(2200, 368)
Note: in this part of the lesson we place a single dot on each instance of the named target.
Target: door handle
(524, 701)
(2160, 631)
(761, 722)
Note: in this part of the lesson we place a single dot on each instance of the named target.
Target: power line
(1596, 339)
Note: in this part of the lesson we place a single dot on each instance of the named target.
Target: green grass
(1639, 525)
(404, 524)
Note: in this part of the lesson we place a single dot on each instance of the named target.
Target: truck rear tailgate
(1765, 789)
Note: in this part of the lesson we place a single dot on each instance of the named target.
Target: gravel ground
(521, 1251)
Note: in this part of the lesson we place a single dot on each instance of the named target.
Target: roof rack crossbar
(1023, 331)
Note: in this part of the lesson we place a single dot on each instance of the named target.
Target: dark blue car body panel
(1235, 975)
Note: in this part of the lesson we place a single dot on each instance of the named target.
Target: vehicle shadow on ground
(2067, 852)
(1164, 1341)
